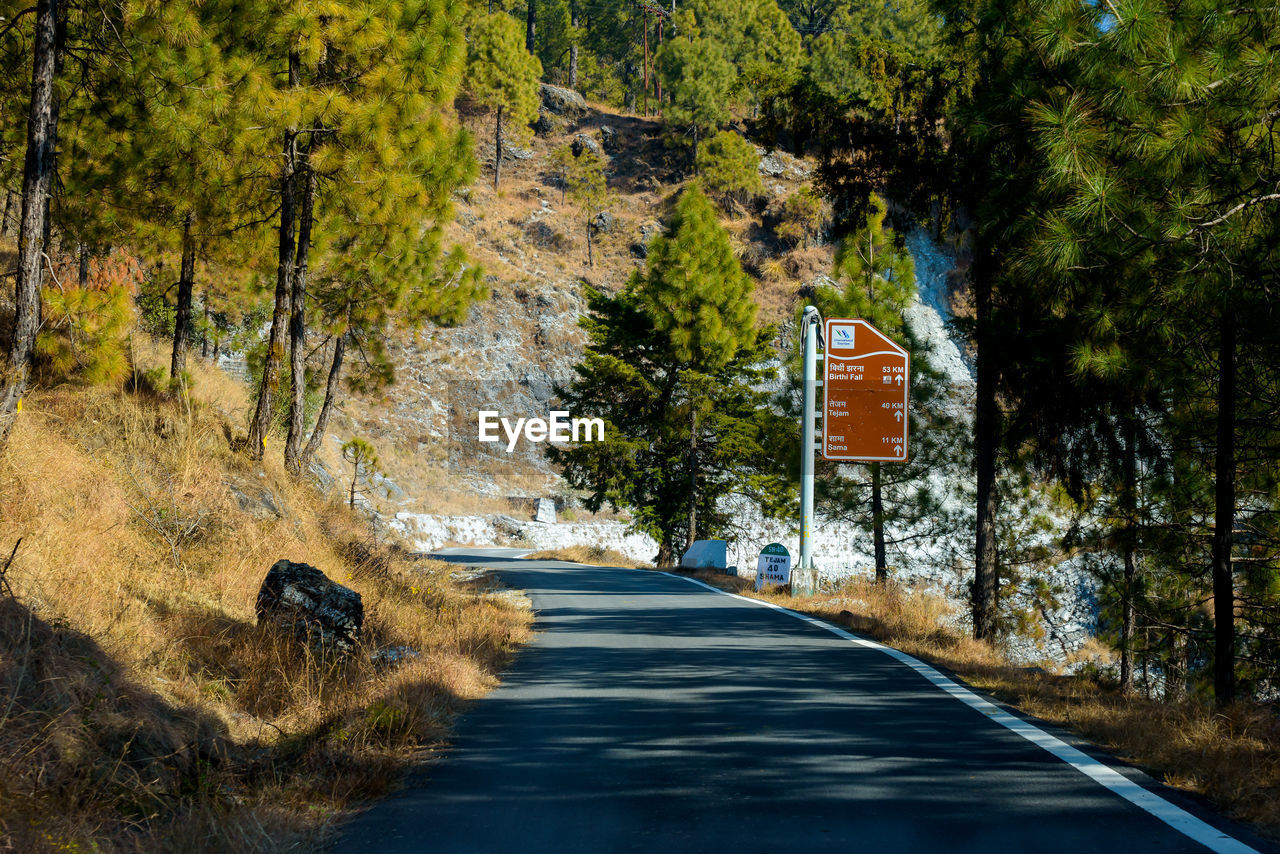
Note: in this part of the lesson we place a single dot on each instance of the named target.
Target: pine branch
(1248, 203)
(13, 22)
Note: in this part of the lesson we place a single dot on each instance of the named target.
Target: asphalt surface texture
(652, 714)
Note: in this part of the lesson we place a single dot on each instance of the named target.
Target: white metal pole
(809, 335)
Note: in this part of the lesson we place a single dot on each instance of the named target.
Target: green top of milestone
(775, 549)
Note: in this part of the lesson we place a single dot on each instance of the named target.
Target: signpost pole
(809, 326)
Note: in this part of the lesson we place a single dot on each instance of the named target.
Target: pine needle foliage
(699, 77)
(502, 76)
(584, 180)
(729, 167)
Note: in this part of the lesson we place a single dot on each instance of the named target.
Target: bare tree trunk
(573, 46)
(37, 174)
(1127, 620)
(204, 338)
(665, 553)
(693, 476)
(877, 525)
(645, 28)
(657, 80)
(497, 149)
(1175, 674)
(298, 324)
(1129, 496)
(8, 213)
(532, 14)
(1146, 663)
(82, 251)
(261, 422)
(984, 440)
(330, 395)
(1224, 596)
(186, 284)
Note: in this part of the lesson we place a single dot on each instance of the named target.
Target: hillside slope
(144, 709)
(521, 342)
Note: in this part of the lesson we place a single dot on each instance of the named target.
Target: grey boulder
(561, 101)
(582, 142)
(300, 598)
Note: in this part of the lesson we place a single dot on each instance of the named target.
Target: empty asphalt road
(653, 714)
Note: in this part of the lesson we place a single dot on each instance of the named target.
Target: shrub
(802, 217)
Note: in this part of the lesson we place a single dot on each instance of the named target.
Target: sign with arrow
(864, 394)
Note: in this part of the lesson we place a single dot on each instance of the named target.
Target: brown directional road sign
(864, 394)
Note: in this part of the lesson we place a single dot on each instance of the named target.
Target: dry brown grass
(141, 706)
(591, 555)
(1232, 758)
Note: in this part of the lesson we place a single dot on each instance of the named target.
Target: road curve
(653, 714)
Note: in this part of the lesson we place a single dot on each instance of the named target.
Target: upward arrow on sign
(865, 394)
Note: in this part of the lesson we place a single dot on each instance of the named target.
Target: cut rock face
(299, 597)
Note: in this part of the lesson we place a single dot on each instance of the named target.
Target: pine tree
(699, 78)
(360, 311)
(40, 38)
(802, 217)
(502, 76)
(1122, 233)
(584, 180)
(671, 367)
(165, 166)
(37, 174)
(729, 168)
(1170, 176)
(364, 463)
(757, 38)
(877, 279)
(874, 101)
(369, 153)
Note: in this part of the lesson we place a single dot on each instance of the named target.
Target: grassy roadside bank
(141, 706)
(1231, 758)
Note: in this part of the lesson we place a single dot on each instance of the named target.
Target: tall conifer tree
(672, 366)
(502, 76)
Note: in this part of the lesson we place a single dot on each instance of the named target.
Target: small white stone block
(705, 554)
(546, 511)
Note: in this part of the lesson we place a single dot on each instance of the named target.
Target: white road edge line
(1176, 817)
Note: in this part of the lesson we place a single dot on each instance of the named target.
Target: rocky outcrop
(603, 222)
(547, 124)
(514, 152)
(582, 142)
(300, 598)
(258, 502)
(562, 102)
(777, 164)
(648, 231)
